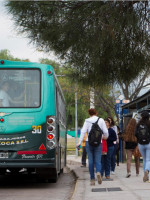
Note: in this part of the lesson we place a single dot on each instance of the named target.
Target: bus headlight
(50, 120)
(50, 145)
(50, 136)
(50, 128)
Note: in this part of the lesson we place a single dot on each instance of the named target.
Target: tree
(6, 55)
(69, 87)
(104, 41)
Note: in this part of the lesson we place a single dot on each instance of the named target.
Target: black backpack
(95, 134)
(143, 135)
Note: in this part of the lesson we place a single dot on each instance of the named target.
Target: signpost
(119, 103)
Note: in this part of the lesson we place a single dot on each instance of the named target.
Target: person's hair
(128, 135)
(92, 111)
(107, 120)
(144, 119)
(112, 123)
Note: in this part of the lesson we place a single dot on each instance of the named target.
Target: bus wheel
(54, 177)
(53, 180)
(2, 171)
(49, 174)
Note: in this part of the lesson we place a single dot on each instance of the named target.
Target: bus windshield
(20, 88)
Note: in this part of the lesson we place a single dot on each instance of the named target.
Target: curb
(79, 188)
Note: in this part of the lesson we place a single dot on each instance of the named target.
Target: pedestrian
(84, 153)
(113, 157)
(143, 137)
(130, 145)
(106, 159)
(94, 153)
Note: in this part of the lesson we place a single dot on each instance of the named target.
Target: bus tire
(48, 174)
(62, 170)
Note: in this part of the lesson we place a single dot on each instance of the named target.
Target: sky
(16, 43)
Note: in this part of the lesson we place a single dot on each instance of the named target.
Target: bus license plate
(3, 154)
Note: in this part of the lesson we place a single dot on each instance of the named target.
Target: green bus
(32, 120)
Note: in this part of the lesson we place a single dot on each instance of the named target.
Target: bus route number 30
(37, 129)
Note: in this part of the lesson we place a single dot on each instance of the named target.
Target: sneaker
(145, 178)
(99, 178)
(92, 182)
(113, 173)
(83, 165)
(128, 175)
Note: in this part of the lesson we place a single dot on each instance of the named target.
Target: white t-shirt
(4, 98)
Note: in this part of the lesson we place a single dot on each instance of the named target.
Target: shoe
(92, 182)
(107, 177)
(128, 175)
(145, 178)
(113, 173)
(83, 165)
(137, 174)
(99, 178)
(117, 164)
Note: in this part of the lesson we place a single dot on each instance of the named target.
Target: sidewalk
(132, 188)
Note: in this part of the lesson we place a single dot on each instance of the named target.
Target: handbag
(136, 152)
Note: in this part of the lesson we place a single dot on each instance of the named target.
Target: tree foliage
(103, 41)
(6, 55)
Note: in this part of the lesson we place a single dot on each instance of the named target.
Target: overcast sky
(18, 45)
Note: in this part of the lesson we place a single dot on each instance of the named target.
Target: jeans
(106, 161)
(94, 158)
(117, 154)
(113, 158)
(145, 152)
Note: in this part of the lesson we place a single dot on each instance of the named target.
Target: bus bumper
(48, 163)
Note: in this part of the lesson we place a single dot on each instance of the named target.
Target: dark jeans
(94, 158)
(113, 159)
(106, 161)
(117, 154)
(83, 159)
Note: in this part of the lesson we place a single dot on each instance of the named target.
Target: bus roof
(9, 63)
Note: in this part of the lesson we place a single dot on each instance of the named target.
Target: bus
(32, 120)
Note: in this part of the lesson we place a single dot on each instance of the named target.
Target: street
(28, 187)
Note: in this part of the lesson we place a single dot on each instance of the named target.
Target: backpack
(143, 135)
(95, 135)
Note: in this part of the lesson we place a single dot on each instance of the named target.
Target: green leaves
(103, 42)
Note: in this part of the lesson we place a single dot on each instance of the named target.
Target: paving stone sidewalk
(118, 188)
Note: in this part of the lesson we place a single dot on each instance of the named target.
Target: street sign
(119, 103)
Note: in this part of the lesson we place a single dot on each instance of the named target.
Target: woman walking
(94, 153)
(143, 137)
(106, 159)
(130, 145)
(113, 156)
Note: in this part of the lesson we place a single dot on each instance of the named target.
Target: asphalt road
(28, 187)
